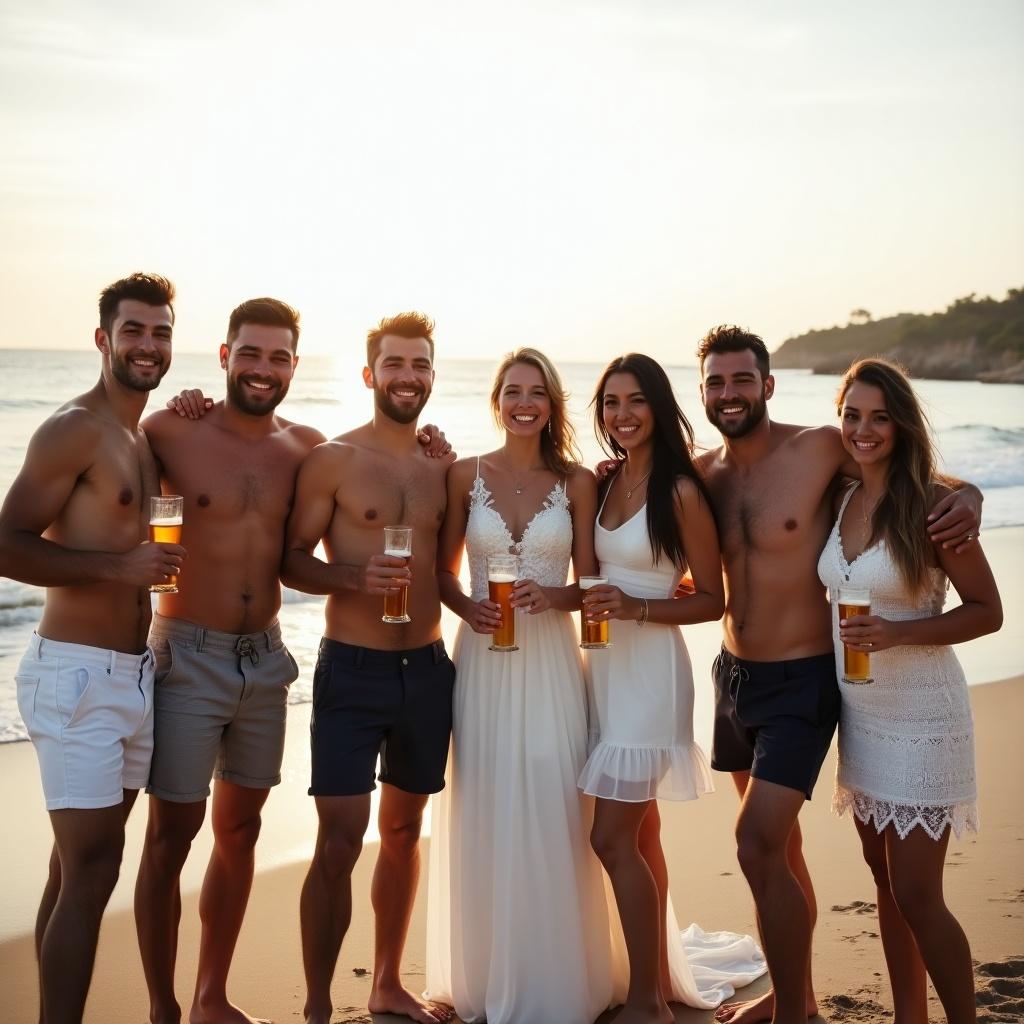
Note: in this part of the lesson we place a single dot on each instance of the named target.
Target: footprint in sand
(856, 907)
(858, 937)
(1011, 897)
(1000, 990)
(854, 1008)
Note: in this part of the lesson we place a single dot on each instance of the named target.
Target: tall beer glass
(501, 577)
(397, 544)
(856, 664)
(593, 635)
(165, 519)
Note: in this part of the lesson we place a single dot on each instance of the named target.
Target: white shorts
(89, 714)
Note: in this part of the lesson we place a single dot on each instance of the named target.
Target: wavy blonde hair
(900, 517)
(558, 441)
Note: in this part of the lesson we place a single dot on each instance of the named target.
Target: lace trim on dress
(480, 494)
(904, 817)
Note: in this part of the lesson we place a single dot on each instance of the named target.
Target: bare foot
(402, 1002)
(754, 1011)
(220, 1011)
(169, 1014)
(644, 1015)
(315, 1017)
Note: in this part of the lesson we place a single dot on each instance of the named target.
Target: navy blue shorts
(775, 719)
(395, 705)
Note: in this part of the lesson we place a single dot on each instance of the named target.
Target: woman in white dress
(517, 922)
(906, 740)
(655, 520)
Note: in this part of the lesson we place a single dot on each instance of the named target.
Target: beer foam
(501, 577)
(857, 602)
(166, 521)
(397, 552)
(586, 582)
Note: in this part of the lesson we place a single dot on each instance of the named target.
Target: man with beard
(75, 521)
(222, 670)
(380, 689)
(776, 695)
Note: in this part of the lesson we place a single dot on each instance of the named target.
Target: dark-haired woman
(654, 522)
(906, 740)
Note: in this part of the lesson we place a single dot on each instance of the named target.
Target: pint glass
(856, 664)
(165, 519)
(592, 634)
(397, 544)
(501, 577)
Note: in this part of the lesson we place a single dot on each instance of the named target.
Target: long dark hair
(899, 519)
(672, 450)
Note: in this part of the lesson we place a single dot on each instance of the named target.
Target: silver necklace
(867, 515)
(630, 490)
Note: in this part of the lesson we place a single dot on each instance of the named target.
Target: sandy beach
(985, 876)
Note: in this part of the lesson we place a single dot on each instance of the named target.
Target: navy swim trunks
(395, 705)
(775, 719)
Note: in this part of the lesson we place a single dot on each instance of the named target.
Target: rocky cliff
(974, 339)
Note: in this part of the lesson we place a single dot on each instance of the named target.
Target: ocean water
(979, 429)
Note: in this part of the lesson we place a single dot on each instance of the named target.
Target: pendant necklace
(519, 486)
(630, 490)
(867, 515)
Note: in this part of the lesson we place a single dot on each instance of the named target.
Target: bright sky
(584, 176)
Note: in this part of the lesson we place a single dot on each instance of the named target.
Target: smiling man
(75, 521)
(776, 695)
(222, 672)
(381, 689)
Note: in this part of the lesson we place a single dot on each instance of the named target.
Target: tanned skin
(236, 469)
(349, 489)
(772, 487)
(75, 521)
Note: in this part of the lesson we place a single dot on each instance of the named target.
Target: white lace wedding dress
(517, 924)
(906, 740)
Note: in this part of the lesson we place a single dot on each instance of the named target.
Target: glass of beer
(501, 577)
(856, 664)
(397, 544)
(165, 519)
(592, 634)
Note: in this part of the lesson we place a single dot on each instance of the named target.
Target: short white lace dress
(906, 740)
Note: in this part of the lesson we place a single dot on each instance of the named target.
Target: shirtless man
(380, 688)
(75, 521)
(776, 695)
(222, 671)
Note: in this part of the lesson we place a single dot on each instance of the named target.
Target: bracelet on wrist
(644, 612)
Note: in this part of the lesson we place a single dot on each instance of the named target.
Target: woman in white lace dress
(906, 741)
(654, 521)
(517, 924)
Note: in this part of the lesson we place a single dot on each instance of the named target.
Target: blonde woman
(517, 923)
